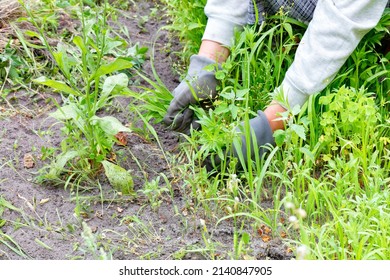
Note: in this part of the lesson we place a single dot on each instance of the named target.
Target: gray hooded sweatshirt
(335, 29)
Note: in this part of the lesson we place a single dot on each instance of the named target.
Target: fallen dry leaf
(264, 233)
(266, 238)
(44, 200)
(266, 230)
(28, 161)
(122, 138)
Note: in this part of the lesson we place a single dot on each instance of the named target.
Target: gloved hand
(260, 129)
(199, 86)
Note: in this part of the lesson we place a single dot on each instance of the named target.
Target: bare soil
(46, 226)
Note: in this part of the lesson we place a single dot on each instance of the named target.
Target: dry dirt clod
(28, 161)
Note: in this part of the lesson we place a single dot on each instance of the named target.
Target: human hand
(261, 133)
(199, 86)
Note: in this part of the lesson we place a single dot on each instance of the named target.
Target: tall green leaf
(57, 85)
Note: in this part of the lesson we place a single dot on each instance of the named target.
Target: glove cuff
(198, 63)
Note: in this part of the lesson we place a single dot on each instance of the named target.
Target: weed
(89, 137)
(154, 192)
(189, 22)
(91, 245)
(5, 239)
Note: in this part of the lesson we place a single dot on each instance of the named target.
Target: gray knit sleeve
(224, 17)
(334, 32)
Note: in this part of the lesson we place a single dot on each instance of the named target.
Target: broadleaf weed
(86, 89)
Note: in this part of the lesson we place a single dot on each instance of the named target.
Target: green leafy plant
(88, 88)
(11, 65)
(188, 22)
(92, 246)
(349, 120)
(154, 192)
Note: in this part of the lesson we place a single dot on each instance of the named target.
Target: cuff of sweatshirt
(220, 31)
(289, 96)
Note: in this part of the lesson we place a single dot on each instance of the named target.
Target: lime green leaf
(66, 112)
(111, 45)
(32, 34)
(78, 41)
(280, 136)
(220, 75)
(299, 130)
(70, 112)
(57, 85)
(119, 178)
(228, 95)
(326, 99)
(234, 111)
(246, 238)
(296, 110)
(220, 109)
(116, 65)
(289, 29)
(110, 125)
(5, 204)
(59, 58)
(44, 245)
(240, 93)
(308, 153)
(114, 84)
(194, 25)
(60, 161)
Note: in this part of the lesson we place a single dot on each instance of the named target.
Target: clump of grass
(5, 239)
(92, 246)
(188, 23)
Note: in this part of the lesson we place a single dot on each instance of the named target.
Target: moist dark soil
(45, 225)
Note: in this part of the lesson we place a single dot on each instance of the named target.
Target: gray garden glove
(198, 87)
(260, 129)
